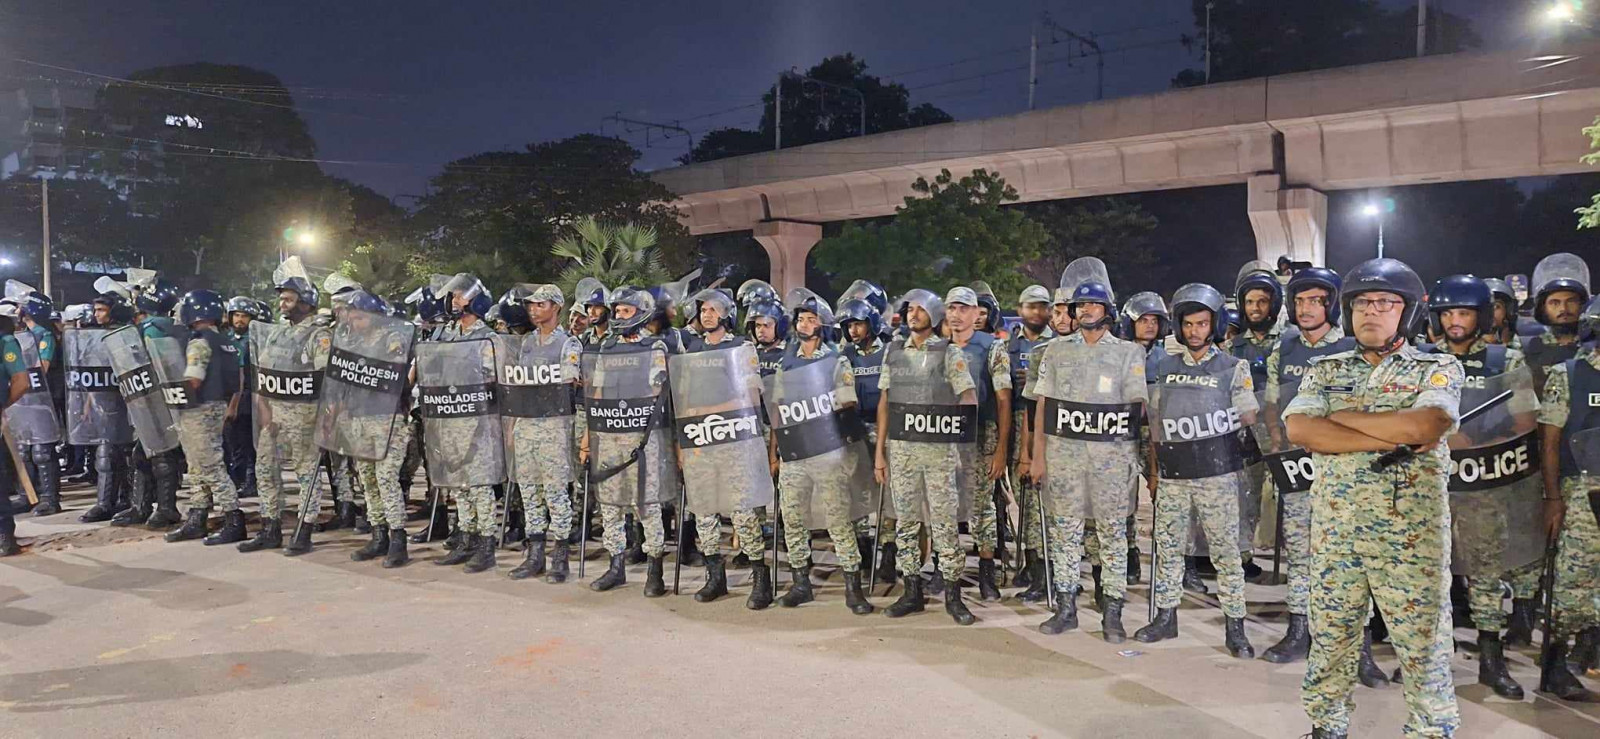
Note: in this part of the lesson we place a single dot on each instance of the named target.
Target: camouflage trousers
(803, 486)
(1216, 501)
(1066, 552)
(1577, 588)
(985, 515)
(546, 509)
(1413, 594)
(541, 452)
(1092, 541)
(1297, 549)
(475, 509)
(339, 478)
(1026, 493)
(286, 439)
(746, 527)
(386, 504)
(200, 431)
(926, 474)
(614, 536)
(1485, 595)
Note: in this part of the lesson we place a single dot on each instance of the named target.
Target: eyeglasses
(1381, 305)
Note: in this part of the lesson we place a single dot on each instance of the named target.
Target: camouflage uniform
(200, 431)
(933, 468)
(826, 479)
(1577, 589)
(1216, 500)
(1381, 537)
(386, 504)
(1112, 465)
(708, 524)
(985, 516)
(1296, 506)
(475, 506)
(1025, 492)
(541, 451)
(287, 435)
(1245, 346)
(613, 518)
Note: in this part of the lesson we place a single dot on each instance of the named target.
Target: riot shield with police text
(459, 396)
(1199, 439)
(285, 382)
(629, 425)
(169, 357)
(536, 407)
(95, 411)
(716, 403)
(932, 432)
(363, 395)
(1091, 428)
(32, 418)
(812, 430)
(1496, 514)
(155, 422)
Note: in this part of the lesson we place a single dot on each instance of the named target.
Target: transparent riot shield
(1093, 410)
(716, 401)
(828, 441)
(932, 433)
(629, 425)
(155, 422)
(1496, 492)
(364, 390)
(536, 408)
(32, 418)
(459, 397)
(1200, 445)
(95, 411)
(286, 386)
(169, 358)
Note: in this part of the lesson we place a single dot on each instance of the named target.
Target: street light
(6, 262)
(306, 238)
(1561, 11)
(1376, 210)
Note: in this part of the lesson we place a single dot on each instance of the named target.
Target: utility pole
(1033, 62)
(667, 129)
(1422, 27)
(1084, 42)
(1209, 6)
(44, 189)
(777, 115)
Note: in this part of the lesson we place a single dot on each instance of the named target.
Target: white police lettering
(1488, 467)
(934, 423)
(1594, 400)
(1300, 470)
(355, 371)
(866, 370)
(136, 382)
(457, 404)
(35, 380)
(1203, 426)
(539, 374)
(1474, 382)
(293, 386)
(715, 428)
(1195, 380)
(93, 378)
(1293, 370)
(623, 416)
(1094, 423)
(809, 409)
(175, 395)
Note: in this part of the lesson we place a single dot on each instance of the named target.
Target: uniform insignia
(11, 356)
(1339, 389)
(1439, 379)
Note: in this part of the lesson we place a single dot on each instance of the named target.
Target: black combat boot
(760, 586)
(232, 531)
(269, 537)
(141, 501)
(460, 554)
(1024, 573)
(1492, 667)
(1317, 733)
(8, 541)
(716, 580)
(800, 589)
(1367, 669)
(1234, 638)
(689, 545)
(376, 547)
(854, 597)
(1560, 682)
(300, 542)
(105, 501)
(165, 471)
(1038, 582)
(1295, 644)
(438, 525)
(886, 573)
(1099, 586)
(362, 525)
(910, 601)
(955, 607)
(558, 562)
(1111, 621)
(1133, 566)
(635, 551)
(533, 560)
(654, 584)
(456, 540)
(1519, 630)
(1191, 577)
(1165, 626)
(987, 590)
(936, 580)
(343, 518)
(1065, 616)
(194, 526)
(49, 488)
(1586, 650)
(482, 556)
(397, 555)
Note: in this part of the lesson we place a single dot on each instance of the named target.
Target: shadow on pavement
(19, 616)
(183, 677)
(171, 589)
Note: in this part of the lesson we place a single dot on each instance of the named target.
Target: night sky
(404, 86)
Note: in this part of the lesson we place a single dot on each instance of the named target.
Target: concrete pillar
(1288, 221)
(787, 244)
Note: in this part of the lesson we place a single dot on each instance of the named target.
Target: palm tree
(613, 254)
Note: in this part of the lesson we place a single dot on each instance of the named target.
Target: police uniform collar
(1188, 356)
(1479, 345)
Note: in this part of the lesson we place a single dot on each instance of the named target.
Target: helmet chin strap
(1392, 344)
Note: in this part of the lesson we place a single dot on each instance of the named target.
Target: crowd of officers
(1306, 411)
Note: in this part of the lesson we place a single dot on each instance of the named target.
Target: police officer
(1090, 386)
(1062, 321)
(542, 446)
(211, 381)
(861, 326)
(1503, 329)
(1145, 320)
(766, 324)
(1571, 405)
(924, 473)
(1312, 296)
(239, 446)
(153, 306)
(1033, 310)
(13, 379)
(1561, 285)
(1260, 299)
(990, 366)
(1461, 310)
(1381, 532)
(34, 310)
(1202, 399)
(630, 309)
(470, 302)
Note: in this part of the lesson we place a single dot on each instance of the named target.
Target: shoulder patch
(11, 356)
(1439, 380)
